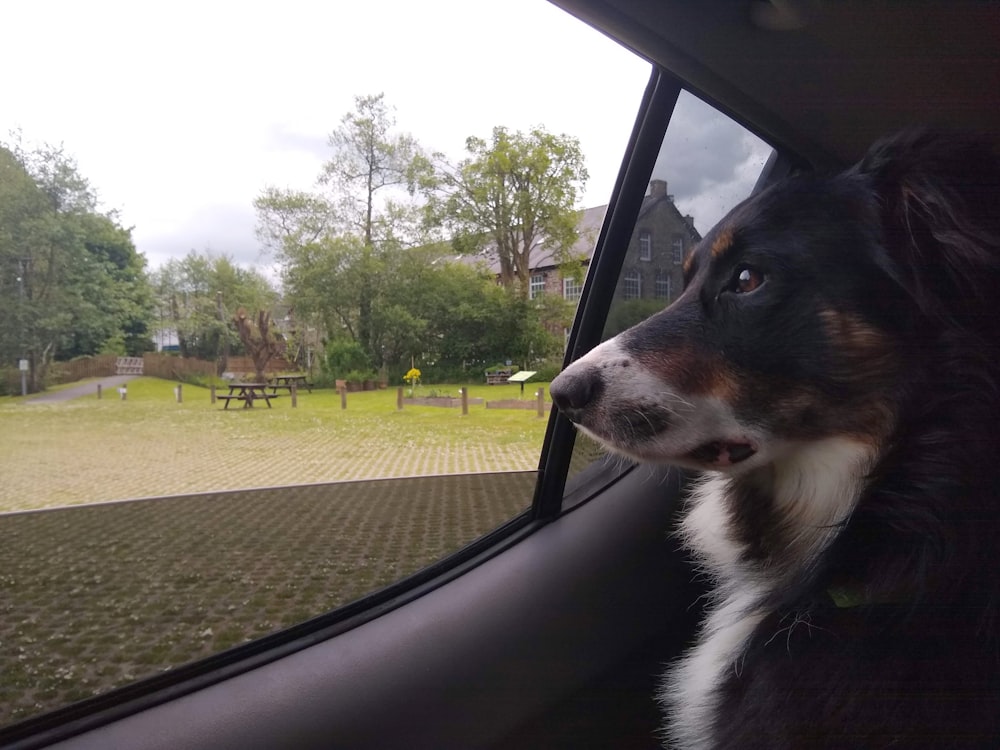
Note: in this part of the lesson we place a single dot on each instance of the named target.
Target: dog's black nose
(573, 391)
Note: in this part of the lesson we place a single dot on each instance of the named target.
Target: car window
(263, 331)
(707, 163)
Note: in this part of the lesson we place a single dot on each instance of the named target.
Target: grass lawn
(98, 595)
(89, 450)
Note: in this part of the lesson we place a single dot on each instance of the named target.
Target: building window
(571, 289)
(632, 285)
(663, 285)
(645, 245)
(537, 285)
(677, 249)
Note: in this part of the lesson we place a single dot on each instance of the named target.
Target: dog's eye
(746, 280)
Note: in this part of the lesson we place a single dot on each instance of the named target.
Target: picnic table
(248, 393)
(287, 381)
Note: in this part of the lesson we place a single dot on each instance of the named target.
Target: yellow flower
(412, 375)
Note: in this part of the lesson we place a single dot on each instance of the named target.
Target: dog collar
(845, 597)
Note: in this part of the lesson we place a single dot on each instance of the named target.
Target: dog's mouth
(722, 453)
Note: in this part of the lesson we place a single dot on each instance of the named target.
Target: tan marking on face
(691, 373)
(723, 241)
(867, 353)
(688, 262)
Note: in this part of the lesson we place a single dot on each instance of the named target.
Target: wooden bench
(247, 396)
(287, 381)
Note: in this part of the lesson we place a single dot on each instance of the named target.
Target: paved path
(108, 384)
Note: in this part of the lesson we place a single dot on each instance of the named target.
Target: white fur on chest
(815, 489)
(690, 690)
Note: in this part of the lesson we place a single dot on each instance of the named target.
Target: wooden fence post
(179, 394)
(343, 398)
(399, 398)
(212, 391)
(98, 391)
(294, 392)
(540, 395)
(465, 401)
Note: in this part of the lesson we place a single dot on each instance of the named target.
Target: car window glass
(266, 356)
(706, 165)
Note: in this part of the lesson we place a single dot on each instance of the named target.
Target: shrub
(343, 357)
(202, 381)
(547, 370)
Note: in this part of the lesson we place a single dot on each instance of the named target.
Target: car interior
(553, 630)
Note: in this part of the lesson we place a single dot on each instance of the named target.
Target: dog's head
(802, 314)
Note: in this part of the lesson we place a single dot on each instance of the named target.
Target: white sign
(22, 365)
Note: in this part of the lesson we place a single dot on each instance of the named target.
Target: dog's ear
(939, 201)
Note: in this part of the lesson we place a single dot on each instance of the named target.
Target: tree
(71, 281)
(289, 219)
(258, 339)
(194, 293)
(370, 165)
(513, 194)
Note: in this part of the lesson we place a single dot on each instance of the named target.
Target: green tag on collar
(845, 597)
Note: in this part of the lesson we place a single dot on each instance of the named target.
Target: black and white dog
(832, 369)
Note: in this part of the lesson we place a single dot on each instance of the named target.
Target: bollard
(399, 398)
(465, 402)
(123, 392)
(98, 391)
(540, 395)
(294, 392)
(178, 394)
(343, 398)
(211, 391)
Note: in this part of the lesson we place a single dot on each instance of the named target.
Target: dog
(830, 370)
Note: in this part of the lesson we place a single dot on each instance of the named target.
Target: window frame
(572, 289)
(536, 285)
(663, 284)
(677, 249)
(645, 245)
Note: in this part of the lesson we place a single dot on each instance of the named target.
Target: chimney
(657, 188)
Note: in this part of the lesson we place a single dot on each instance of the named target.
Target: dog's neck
(797, 504)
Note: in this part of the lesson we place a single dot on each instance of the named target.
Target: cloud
(217, 229)
(710, 162)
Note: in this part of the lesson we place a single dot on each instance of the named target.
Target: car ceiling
(823, 77)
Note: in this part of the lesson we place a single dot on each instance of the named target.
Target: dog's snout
(573, 391)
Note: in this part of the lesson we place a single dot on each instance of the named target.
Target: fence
(99, 366)
(170, 367)
(245, 364)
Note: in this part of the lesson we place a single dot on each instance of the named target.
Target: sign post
(521, 377)
(22, 365)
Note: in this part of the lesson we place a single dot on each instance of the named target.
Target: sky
(180, 113)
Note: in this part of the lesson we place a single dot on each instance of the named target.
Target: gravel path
(108, 386)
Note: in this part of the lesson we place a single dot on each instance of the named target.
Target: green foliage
(547, 370)
(71, 280)
(360, 261)
(513, 192)
(196, 296)
(344, 356)
(626, 313)
(202, 381)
